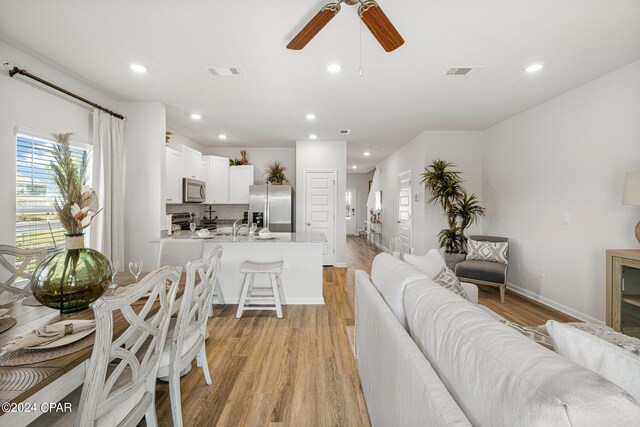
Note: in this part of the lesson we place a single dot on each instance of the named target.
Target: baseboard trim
(341, 265)
(290, 301)
(555, 305)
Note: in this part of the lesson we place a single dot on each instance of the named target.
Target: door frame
(407, 172)
(334, 172)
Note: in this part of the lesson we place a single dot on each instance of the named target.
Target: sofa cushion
(430, 263)
(448, 280)
(483, 250)
(481, 270)
(501, 378)
(390, 276)
(616, 364)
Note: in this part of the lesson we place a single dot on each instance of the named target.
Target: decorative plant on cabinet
(72, 279)
(461, 208)
(275, 174)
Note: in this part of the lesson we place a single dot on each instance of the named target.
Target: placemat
(6, 323)
(31, 301)
(27, 357)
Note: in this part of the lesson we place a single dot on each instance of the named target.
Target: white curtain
(107, 230)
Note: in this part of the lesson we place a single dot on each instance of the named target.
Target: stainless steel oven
(193, 191)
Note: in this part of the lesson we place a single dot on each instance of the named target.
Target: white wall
(324, 155)
(567, 155)
(144, 208)
(459, 147)
(260, 158)
(25, 103)
(178, 139)
(360, 181)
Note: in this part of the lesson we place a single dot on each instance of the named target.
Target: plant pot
(71, 279)
(452, 259)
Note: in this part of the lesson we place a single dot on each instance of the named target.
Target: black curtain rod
(25, 73)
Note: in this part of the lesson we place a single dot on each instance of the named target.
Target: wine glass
(135, 268)
(253, 229)
(192, 227)
(115, 267)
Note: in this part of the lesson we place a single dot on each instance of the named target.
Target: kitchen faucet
(236, 227)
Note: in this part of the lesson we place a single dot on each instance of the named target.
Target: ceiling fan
(370, 13)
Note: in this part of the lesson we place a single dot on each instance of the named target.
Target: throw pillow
(533, 333)
(487, 251)
(613, 362)
(448, 280)
(430, 263)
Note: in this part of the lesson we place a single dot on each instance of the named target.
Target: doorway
(319, 209)
(351, 198)
(404, 212)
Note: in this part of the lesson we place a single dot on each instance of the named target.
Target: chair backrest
(137, 350)
(492, 239)
(13, 267)
(195, 306)
(178, 252)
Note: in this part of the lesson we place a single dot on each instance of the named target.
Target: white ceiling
(399, 95)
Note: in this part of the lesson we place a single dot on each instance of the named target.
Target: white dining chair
(120, 383)
(15, 278)
(180, 252)
(189, 331)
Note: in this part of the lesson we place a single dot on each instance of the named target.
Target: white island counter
(301, 253)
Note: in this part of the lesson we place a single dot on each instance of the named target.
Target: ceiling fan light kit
(370, 13)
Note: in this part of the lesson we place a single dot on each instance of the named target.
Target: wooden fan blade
(314, 26)
(380, 26)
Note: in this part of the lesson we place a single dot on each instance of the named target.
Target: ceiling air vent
(224, 71)
(463, 71)
(345, 131)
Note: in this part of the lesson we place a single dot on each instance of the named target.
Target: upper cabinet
(240, 178)
(173, 175)
(217, 179)
(192, 164)
(224, 184)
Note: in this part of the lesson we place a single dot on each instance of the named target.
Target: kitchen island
(301, 253)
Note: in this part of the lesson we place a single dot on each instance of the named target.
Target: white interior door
(320, 214)
(350, 202)
(404, 212)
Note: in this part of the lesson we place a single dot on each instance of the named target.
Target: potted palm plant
(461, 208)
(275, 174)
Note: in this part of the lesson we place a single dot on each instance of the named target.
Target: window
(37, 225)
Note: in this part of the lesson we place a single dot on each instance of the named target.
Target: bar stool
(263, 297)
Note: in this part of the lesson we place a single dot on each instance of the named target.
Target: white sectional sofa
(427, 357)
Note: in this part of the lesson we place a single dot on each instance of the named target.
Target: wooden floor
(298, 371)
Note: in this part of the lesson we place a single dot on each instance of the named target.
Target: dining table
(26, 390)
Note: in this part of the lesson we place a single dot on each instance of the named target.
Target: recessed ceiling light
(311, 116)
(334, 68)
(354, 167)
(222, 136)
(313, 136)
(366, 153)
(196, 116)
(534, 68)
(139, 68)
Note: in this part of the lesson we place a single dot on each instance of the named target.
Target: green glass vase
(71, 279)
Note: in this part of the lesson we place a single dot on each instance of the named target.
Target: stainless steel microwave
(193, 191)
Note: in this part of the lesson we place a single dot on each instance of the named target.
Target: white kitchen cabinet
(191, 163)
(217, 179)
(240, 178)
(173, 175)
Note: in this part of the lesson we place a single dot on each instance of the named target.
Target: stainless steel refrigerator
(271, 206)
